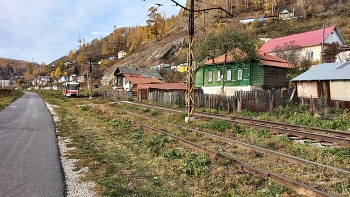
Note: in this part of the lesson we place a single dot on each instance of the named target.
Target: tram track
(252, 169)
(313, 134)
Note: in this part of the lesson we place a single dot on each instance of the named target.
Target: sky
(43, 31)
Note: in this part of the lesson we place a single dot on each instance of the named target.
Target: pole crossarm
(203, 10)
(218, 8)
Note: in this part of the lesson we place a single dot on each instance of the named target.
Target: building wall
(307, 89)
(275, 77)
(4, 83)
(340, 90)
(228, 90)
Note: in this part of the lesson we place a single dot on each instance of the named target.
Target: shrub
(219, 125)
(195, 164)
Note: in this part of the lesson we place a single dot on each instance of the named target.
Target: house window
(228, 75)
(310, 55)
(210, 76)
(240, 75)
(219, 76)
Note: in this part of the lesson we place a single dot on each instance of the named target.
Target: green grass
(7, 96)
(129, 161)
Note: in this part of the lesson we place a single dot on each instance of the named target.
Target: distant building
(121, 54)
(286, 14)
(160, 64)
(311, 42)
(129, 77)
(181, 67)
(5, 83)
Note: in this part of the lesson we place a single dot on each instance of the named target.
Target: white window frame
(210, 76)
(219, 76)
(240, 74)
(310, 55)
(229, 75)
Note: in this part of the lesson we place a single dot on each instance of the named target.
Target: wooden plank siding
(275, 78)
(254, 75)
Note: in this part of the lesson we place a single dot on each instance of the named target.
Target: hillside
(167, 37)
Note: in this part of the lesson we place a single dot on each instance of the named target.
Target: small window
(219, 76)
(240, 75)
(210, 76)
(310, 55)
(228, 75)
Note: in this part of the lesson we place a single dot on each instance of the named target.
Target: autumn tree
(41, 71)
(58, 72)
(330, 52)
(154, 23)
(226, 41)
(71, 54)
(52, 75)
(290, 52)
(30, 70)
(136, 37)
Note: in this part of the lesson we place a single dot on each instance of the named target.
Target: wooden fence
(255, 101)
(113, 94)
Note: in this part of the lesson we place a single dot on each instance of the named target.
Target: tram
(70, 89)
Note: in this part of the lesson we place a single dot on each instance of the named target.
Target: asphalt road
(29, 155)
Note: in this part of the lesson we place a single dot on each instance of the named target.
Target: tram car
(70, 89)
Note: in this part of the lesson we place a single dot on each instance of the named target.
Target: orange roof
(221, 58)
(163, 86)
(265, 58)
(270, 60)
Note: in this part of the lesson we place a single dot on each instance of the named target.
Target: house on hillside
(5, 83)
(267, 72)
(286, 14)
(161, 64)
(328, 80)
(310, 41)
(127, 78)
(251, 19)
(121, 54)
(182, 67)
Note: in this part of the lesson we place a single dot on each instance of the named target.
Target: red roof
(139, 79)
(265, 58)
(309, 38)
(163, 86)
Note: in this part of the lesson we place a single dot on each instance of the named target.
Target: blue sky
(43, 31)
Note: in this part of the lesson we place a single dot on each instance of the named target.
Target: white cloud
(46, 30)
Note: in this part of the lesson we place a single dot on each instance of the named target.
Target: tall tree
(330, 52)
(30, 70)
(289, 51)
(58, 72)
(154, 23)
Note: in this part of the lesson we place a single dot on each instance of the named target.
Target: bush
(218, 125)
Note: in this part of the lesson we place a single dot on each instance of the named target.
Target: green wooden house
(267, 72)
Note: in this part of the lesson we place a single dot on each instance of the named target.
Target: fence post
(311, 104)
(271, 101)
(239, 102)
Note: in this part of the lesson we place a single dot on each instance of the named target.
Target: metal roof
(326, 71)
(310, 38)
(264, 58)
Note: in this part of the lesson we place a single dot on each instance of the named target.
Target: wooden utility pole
(190, 74)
